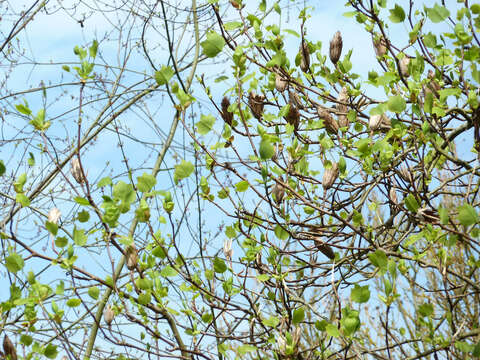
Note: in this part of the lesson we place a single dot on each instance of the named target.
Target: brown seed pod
(236, 4)
(380, 46)
(76, 170)
(403, 64)
(342, 107)
(256, 104)
(293, 116)
(280, 83)
(278, 193)
(305, 56)
(9, 349)
(329, 122)
(324, 248)
(294, 99)
(336, 47)
(131, 257)
(226, 115)
(329, 176)
(108, 315)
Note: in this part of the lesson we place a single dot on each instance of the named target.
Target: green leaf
(79, 237)
(397, 14)
(93, 49)
(51, 227)
(26, 339)
(232, 25)
(266, 149)
(244, 349)
(94, 292)
(31, 159)
(272, 321)
(443, 213)
(360, 294)
(425, 310)
(280, 232)
(73, 302)
(242, 186)
(50, 351)
(104, 182)
(22, 199)
(168, 271)
(81, 201)
(125, 193)
(396, 104)
(61, 241)
(438, 13)
(263, 277)
(411, 203)
(298, 315)
(2, 168)
(332, 330)
(83, 216)
(164, 75)
(144, 298)
(219, 265)
(379, 259)
(146, 182)
(23, 109)
(205, 124)
(467, 215)
(213, 45)
(14, 263)
(183, 170)
(18, 185)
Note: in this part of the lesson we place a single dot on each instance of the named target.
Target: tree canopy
(232, 179)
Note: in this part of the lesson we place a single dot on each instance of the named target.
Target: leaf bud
(76, 170)
(108, 315)
(280, 83)
(305, 56)
(256, 104)
(226, 115)
(131, 257)
(329, 176)
(329, 122)
(336, 47)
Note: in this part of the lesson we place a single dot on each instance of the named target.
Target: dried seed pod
(278, 193)
(405, 174)
(9, 349)
(380, 46)
(392, 194)
(294, 99)
(280, 83)
(227, 249)
(108, 315)
(342, 107)
(54, 215)
(76, 170)
(329, 176)
(379, 122)
(305, 56)
(226, 115)
(403, 64)
(329, 122)
(131, 257)
(256, 104)
(324, 248)
(293, 116)
(336, 47)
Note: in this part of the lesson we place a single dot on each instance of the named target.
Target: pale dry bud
(54, 215)
(108, 315)
(281, 345)
(76, 170)
(131, 257)
(329, 122)
(226, 115)
(432, 86)
(405, 174)
(278, 193)
(293, 116)
(403, 63)
(227, 249)
(305, 56)
(256, 104)
(393, 195)
(329, 176)
(379, 122)
(342, 107)
(9, 349)
(380, 46)
(280, 83)
(336, 47)
(294, 99)
(428, 215)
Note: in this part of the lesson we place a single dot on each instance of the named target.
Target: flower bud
(9, 349)
(293, 116)
(392, 194)
(226, 115)
(108, 315)
(324, 248)
(403, 63)
(342, 107)
(76, 170)
(380, 46)
(227, 249)
(256, 104)
(280, 83)
(54, 215)
(329, 176)
(329, 122)
(278, 193)
(379, 122)
(305, 56)
(131, 257)
(294, 99)
(405, 174)
(336, 47)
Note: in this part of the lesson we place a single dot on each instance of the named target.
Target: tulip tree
(253, 194)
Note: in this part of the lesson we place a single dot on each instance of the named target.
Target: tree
(290, 209)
